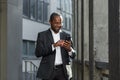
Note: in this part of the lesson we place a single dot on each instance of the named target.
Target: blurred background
(93, 25)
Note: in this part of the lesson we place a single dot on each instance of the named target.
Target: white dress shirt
(58, 58)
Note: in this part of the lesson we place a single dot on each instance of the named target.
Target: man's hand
(63, 43)
(67, 45)
(59, 43)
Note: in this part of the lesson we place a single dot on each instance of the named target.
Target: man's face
(56, 24)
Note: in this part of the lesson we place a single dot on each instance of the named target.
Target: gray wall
(10, 39)
(82, 19)
(101, 30)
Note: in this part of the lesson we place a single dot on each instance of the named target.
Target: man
(55, 51)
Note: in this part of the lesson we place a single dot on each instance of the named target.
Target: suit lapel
(62, 36)
(50, 37)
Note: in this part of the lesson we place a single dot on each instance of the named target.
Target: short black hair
(53, 15)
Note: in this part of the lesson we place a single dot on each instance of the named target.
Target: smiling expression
(56, 24)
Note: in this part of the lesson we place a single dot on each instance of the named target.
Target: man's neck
(55, 32)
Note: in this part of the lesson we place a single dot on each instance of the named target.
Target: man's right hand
(59, 43)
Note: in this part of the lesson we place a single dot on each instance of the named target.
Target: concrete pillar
(77, 67)
(10, 39)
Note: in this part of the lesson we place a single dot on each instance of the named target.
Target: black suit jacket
(44, 50)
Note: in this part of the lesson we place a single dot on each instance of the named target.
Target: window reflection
(33, 9)
(28, 48)
(65, 8)
(26, 8)
(40, 10)
(36, 10)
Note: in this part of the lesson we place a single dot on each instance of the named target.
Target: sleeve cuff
(53, 48)
(72, 50)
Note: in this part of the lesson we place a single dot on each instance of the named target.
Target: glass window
(63, 5)
(66, 10)
(68, 17)
(26, 8)
(58, 5)
(40, 10)
(63, 20)
(37, 10)
(70, 7)
(66, 23)
(70, 23)
(66, 5)
(28, 48)
(33, 9)
(31, 48)
(45, 9)
(24, 48)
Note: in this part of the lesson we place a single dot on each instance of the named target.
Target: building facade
(91, 35)
(96, 36)
(95, 31)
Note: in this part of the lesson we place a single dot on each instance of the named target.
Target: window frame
(27, 55)
(28, 16)
(67, 14)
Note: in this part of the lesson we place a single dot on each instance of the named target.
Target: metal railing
(29, 70)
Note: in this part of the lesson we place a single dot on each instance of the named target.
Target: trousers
(58, 74)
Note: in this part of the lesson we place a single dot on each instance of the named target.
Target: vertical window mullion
(29, 8)
(43, 11)
(36, 1)
(37, 10)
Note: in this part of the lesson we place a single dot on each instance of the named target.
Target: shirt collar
(54, 32)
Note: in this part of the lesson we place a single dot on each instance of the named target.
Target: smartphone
(68, 38)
